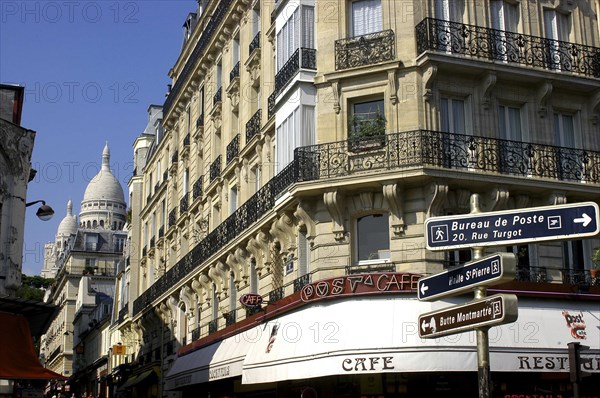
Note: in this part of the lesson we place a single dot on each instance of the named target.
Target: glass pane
(373, 239)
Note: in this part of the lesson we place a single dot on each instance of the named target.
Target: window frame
(356, 241)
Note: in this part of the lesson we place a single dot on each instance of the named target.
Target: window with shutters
(303, 254)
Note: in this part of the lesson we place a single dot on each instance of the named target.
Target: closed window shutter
(308, 27)
(302, 253)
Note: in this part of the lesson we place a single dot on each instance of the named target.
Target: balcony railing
(253, 126)
(300, 282)
(498, 45)
(172, 217)
(215, 169)
(426, 148)
(233, 149)
(230, 318)
(211, 28)
(276, 294)
(186, 140)
(165, 176)
(364, 50)
(218, 96)
(175, 157)
(235, 72)
(271, 104)
(183, 204)
(161, 232)
(196, 334)
(412, 149)
(152, 242)
(254, 44)
(200, 121)
(122, 313)
(213, 326)
(197, 188)
(308, 56)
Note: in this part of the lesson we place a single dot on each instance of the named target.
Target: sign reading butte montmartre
(501, 228)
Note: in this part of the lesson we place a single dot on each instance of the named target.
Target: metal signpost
(477, 230)
(488, 271)
(490, 311)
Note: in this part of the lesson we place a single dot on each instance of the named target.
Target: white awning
(378, 335)
(216, 361)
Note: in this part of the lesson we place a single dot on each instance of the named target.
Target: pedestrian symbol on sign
(439, 233)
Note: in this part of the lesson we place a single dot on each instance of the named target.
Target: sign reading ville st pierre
(501, 228)
(488, 271)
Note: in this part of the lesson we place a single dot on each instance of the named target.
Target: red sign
(375, 283)
(251, 300)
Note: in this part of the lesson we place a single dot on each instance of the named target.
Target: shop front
(369, 346)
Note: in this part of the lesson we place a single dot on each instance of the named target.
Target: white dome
(104, 186)
(68, 225)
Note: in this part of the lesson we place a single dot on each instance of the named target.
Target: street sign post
(489, 311)
(509, 227)
(488, 271)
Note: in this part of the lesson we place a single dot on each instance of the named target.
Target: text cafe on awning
(327, 342)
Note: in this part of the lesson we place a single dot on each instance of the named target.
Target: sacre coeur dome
(68, 225)
(104, 186)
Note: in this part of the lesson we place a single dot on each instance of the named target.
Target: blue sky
(90, 70)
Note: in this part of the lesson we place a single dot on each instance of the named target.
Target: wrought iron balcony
(122, 313)
(175, 157)
(172, 217)
(186, 140)
(161, 232)
(215, 169)
(276, 295)
(406, 150)
(498, 45)
(213, 326)
(229, 318)
(196, 334)
(425, 148)
(235, 72)
(183, 204)
(152, 242)
(300, 282)
(218, 96)
(271, 105)
(197, 188)
(200, 121)
(369, 49)
(254, 44)
(233, 149)
(253, 126)
(308, 56)
(211, 28)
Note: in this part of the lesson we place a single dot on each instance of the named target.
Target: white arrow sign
(424, 288)
(585, 220)
(430, 325)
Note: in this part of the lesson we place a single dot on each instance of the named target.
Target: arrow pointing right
(585, 220)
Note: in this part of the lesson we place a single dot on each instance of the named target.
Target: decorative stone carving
(486, 87)
(428, 80)
(305, 220)
(542, 95)
(437, 196)
(392, 194)
(392, 86)
(498, 198)
(334, 202)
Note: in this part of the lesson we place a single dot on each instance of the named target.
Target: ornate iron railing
(122, 313)
(271, 105)
(293, 65)
(183, 204)
(498, 45)
(215, 169)
(412, 149)
(426, 148)
(235, 72)
(196, 334)
(255, 43)
(213, 326)
(172, 217)
(186, 140)
(363, 50)
(197, 188)
(200, 120)
(211, 28)
(253, 126)
(276, 294)
(230, 318)
(300, 282)
(233, 149)
(218, 96)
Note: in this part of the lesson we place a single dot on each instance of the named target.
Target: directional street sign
(501, 228)
(489, 311)
(488, 271)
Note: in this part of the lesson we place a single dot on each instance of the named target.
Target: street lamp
(44, 212)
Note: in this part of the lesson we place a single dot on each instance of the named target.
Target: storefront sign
(251, 300)
(387, 282)
(119, 349)
(219, 373)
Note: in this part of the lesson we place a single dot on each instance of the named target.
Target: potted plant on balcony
(366, 133)
(595, 262)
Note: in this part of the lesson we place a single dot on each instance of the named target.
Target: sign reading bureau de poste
(489, 311)
(500, 228)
